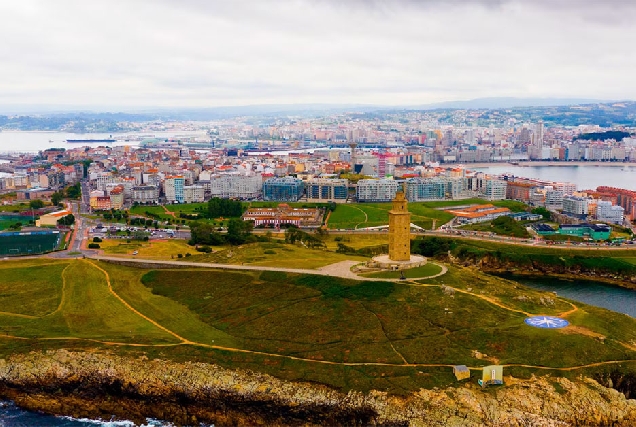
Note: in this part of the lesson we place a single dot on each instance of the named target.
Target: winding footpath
(341, 269)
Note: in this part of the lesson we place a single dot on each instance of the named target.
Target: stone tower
(399, 229)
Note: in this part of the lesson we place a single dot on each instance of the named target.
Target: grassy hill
(393, 336)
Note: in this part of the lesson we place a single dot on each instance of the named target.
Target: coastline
(105, 386)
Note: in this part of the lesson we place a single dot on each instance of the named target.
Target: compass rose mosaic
(546, 322)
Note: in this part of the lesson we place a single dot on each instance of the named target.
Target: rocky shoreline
(102, 385)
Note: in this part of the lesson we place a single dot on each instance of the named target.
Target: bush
(204, 249)
(97, 239)
(93, 246)
(179, 255)
(188, 254)
(269, 252)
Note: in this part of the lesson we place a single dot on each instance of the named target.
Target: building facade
(287, 189)
(376, 190)
(327, 190)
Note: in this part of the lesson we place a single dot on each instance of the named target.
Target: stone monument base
(385, 263)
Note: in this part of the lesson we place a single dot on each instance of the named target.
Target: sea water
(12, 416)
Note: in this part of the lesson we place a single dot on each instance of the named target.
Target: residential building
(494, 189)
(575, 206)
(607, 212)
(376, 190)
(145, 194)
(193, 194)
(421, 189)
(173, 189)
(327, 190)
(234, 186)
(286, 189)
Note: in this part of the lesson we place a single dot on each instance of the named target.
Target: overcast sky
(204, 53)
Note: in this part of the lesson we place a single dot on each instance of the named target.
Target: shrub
(269, 252)
(97, 239)
(188, 254)
(93, 246)
(204, 249)
(179, 255)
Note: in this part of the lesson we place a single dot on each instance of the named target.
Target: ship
(90, 141)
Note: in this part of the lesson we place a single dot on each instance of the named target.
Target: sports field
(26, 243)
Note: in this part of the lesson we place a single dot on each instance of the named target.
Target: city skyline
(206, 54)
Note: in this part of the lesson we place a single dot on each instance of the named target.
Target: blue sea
(12, 416)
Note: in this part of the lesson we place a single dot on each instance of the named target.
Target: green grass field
(375, 335)
(25, 244)
(412, 273)
(272, 254)
(361, 215)
(423, 214)
(154, 249)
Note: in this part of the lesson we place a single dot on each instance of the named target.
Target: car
(135, 252)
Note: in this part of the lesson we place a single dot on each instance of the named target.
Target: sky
(205, 53)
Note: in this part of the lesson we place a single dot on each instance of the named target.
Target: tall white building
(494, 189)
(607, 212)
(376, 190)
(228, 186)
(173, 189)
(577, 206)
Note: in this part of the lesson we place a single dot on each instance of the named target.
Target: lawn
(312, 318)
(412, 273)
(362, 215)
(81, 308)
(273, 254)
(152, 249)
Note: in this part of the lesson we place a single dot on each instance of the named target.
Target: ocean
(32, 142)
(586, 177)
(12, 416)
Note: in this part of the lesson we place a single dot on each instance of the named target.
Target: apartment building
(287, 189)
(327, 190)
(376, 190)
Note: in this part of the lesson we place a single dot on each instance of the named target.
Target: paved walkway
(339, 269)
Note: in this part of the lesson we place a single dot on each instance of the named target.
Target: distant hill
(507, 102)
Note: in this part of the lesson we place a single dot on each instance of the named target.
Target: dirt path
(129, 307)
(184, 341)
(172, 214)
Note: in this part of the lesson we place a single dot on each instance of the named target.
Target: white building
(145, 194)
(231, 186)
(607, 212)
(376, 190)
(173, 189)
(553, 199)
(577, 206)
(494, 189)
(193, 194)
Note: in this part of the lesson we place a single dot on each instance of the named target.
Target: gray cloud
(206, 53)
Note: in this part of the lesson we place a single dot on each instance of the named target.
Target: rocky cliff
(100, 385)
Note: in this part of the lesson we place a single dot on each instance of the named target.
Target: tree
(205, 234)
(36, 204)
(56, 198)
(543, 212)
(74, 191)
(238, 231)
(66, 220)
